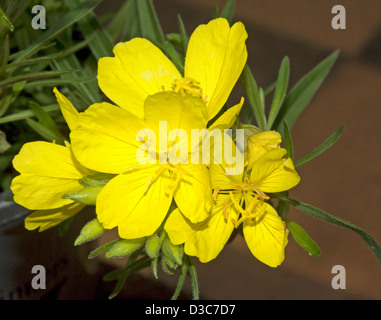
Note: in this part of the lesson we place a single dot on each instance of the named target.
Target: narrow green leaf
(251, 88)
(45, 119)
(5, 21)
(122, 280)
(119, 20)
(322, 148)
(320, 214)
(33, 76)
(43, 131)
(29, 61)
(302, 93)
(149, 23)
(102, 44)
(280, 91)
(193, 275)
(102, 249)
(4, 53)
(288, 141)
(183, 34)
(303, 239)
(227, 11)
(180, 281)
(27, 114)
(66, 21)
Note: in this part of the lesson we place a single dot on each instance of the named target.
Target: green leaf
(149, 24)
(288, 141)
(303, 239)
(120, 19)
(302, 93)
(183, 34)
(46, 120)
(66, 21)
(180, 281)
(228, 10)
(33, 76)
(280, 91)
(102, 44)
(43, 131)
(91, 231)
(102, 249)
(322, 148)
(251, 88)
(5, 21)
(193, 275)
(320, 214)
(27, 114)
(99, 179)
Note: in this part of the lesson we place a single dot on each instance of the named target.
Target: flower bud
(125, 247)
(153, 246)
(92, 230)
(259, 144)
(86, 195)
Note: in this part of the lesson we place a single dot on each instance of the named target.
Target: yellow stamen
(187, 85)
(215, 193)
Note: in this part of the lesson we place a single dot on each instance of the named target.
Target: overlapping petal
(46, 219)
(68, 111)
(139, 69)
(136, 202)
(106, 140)
(193, 195)
(205, 239)
(47, 172)
(274, 172)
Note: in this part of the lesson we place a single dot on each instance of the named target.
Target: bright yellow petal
(48, 160)
(226, 170)
(69, 112)
(227, 119)
(46, 219)
(204, 239)
(215, 57)
(41, 193)
(138, 69)
(274, 172)
(136, 202)
(106, 140)
(194, 192)
(266, 237)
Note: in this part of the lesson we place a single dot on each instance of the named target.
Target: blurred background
(345, 181)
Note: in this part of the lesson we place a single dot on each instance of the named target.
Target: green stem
(180, 282)
(193, 275)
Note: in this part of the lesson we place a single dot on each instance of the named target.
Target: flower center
(187, 85)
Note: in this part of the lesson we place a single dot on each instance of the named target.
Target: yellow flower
(214, 60)
(138, 198)
(150, 93)
(240, 199)
(47, 172)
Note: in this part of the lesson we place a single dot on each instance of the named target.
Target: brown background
(345, 181)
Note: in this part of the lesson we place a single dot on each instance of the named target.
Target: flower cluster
(144, 161)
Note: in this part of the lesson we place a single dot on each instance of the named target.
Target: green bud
(97, 180)
(153, 245)
(87, 195)
(173, 252)
(92, 230)
(125, 247)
